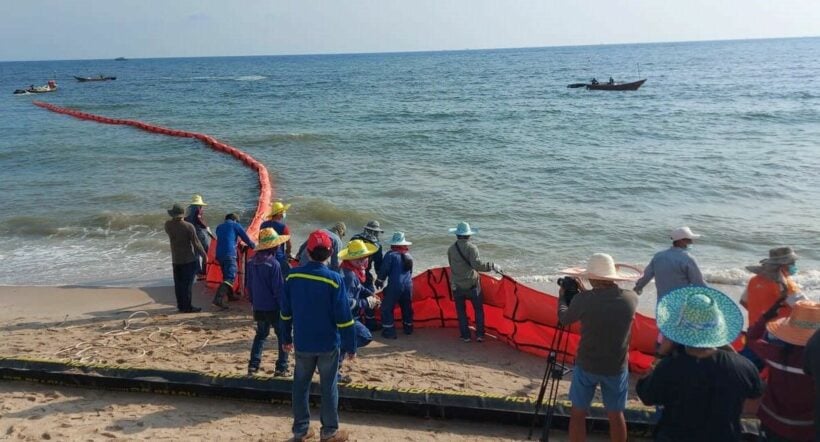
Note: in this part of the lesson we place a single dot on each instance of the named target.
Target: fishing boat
(50, 87)
(120, 59)
(98, 78)
(633, 86)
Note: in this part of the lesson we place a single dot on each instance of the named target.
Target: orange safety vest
(762, 292)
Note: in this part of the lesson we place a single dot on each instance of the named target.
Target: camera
(570, 286)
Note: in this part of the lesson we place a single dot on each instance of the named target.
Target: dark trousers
(263, 325)
(184, 283)
(461, 296)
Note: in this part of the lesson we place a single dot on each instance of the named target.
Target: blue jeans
(229, 268)
(202, 260)
(306, 364)
(262, 332)
(362, 334)
(184, 284)
(405, 300)
(460, 296)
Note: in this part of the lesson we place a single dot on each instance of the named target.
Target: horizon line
(422, 51)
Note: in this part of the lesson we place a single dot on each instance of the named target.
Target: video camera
(570, 286)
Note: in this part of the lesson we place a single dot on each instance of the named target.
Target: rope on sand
(112, 341)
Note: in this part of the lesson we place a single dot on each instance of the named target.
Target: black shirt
(702, 397)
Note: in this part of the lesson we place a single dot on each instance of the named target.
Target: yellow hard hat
(196, 200)
(278, 207)
(357, 249)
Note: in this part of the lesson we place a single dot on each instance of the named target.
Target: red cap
(319, 238)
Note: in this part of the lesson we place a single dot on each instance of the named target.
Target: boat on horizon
(51, 86)
(98, 78)
(632, 86)
(120, 59)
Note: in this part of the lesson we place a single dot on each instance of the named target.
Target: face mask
(689, 247)
(792, 269)
(284, 217)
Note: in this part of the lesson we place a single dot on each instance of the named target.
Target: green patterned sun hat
(698, 316)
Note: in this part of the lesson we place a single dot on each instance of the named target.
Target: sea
(723, 137)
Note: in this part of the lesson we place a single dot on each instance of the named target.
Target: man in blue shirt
(674, 267)
(318, 324)
(226, 236)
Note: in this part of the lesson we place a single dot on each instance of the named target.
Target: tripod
(553, 374)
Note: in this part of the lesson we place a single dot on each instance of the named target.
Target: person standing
(786, 411)
(397, 270)
(370, 234)
(355, 262)
(226, 236)
(196, 217)
(317, 323)
(265, 287)
(606, 313)
(336, 233)
(772, 280)
(465, 282)
(703, 383)
(276, 220)
(674, 267)
(184, 249)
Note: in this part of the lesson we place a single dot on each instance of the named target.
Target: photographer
(606, 313)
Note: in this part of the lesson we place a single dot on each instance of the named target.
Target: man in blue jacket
(316, 312)
(226, 235)
(265, 287)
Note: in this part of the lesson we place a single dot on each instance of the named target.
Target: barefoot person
(319, 326)
(606, 313)
(184, 250)
(703, 383)
(265, 287)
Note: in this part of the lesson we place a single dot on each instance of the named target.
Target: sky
(94, 29)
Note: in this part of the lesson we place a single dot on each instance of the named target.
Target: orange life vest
(762, 292)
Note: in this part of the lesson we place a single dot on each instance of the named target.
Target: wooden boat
(617, 86)
(99, 78)
(50, 87)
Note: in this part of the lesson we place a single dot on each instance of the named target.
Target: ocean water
(723, 137)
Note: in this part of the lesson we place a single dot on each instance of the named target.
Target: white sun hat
(683, 233)
(602, 267)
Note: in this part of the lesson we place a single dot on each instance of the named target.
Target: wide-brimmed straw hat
(463, 229)
(602, 267)
(374, 226)
(176, 210)
(357, 249)
(780, 256)
(801, 324)
(683, 233)
(270, 238)
(398, 239)
(698, 316)
(278, 207)
(196, 200)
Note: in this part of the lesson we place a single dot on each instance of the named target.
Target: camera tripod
(554, 372)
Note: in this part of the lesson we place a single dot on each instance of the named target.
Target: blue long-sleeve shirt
(265, 283)
(226, 234)
(356, 292)
(315, 307)
(398, 279)
(672, 268)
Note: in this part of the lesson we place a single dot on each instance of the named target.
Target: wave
(276, 138)
(251, 78)
(324, 214)
(102, 225)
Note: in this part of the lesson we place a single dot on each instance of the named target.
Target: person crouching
(397, 269)
(606, 313)
(355, 262)
(265, 287)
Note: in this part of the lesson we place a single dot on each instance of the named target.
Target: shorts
(613, 389)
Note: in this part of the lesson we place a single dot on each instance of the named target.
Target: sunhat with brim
(374, 226)
(602, 267)
(196, 200)
(398, 239)
(698, 316)
(176, 210)
(278, 207)
(463, 229)
(780, 256)
(801, 324)
(683, 233)
(270, 238)
(357, 249)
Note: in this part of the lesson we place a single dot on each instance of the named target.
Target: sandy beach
(139, 327)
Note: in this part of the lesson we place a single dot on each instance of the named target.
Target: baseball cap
(683, 233)
(319, 238)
